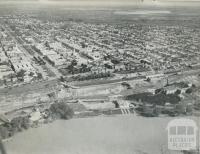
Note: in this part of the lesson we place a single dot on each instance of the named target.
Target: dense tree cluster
(158, 99)
(16, 125)
(92, 76)
(58, 110)
(61, 110)
(21, 73)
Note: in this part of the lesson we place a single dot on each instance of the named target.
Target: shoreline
(93, 114)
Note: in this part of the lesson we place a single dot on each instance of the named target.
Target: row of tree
(158, 99)
(92, 76)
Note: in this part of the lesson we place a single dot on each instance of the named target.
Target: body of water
(98, 135)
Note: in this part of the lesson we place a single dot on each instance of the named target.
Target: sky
(117, 2)
(112, 0)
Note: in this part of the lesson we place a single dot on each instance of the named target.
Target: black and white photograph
(99, 76)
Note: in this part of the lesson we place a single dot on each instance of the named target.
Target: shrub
(189, 91)
(178, 91)
(158, 90)
(193, 86)
(21, 73)
(116, 104)
(39, 75)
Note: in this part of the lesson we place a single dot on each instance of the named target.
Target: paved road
(104, 82)
(21, 46)
(53, 69)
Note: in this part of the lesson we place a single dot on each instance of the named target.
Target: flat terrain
(99, 135)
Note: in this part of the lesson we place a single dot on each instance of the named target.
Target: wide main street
(49, 84)
(22, 48)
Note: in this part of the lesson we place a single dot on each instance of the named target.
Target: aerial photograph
(99, 76)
